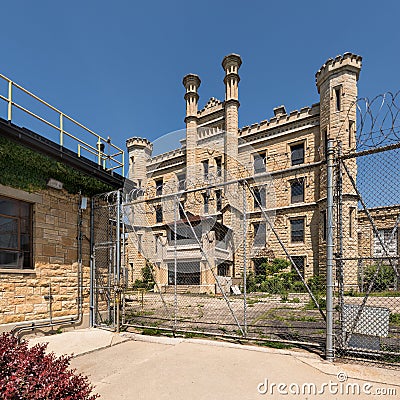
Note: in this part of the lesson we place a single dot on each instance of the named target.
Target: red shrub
(27, 374)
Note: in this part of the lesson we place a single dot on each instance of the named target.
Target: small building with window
(45, 208)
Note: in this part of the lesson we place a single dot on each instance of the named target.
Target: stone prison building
(187, 207)
(285, 157)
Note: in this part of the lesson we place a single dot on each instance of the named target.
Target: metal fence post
(244, 260)
(175, 262)
(329, 351)
(118, 259)
(92, 272)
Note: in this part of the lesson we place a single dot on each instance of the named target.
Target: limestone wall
(55, 254)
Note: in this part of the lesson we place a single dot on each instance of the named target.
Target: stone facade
(24, 293)
(292, 149)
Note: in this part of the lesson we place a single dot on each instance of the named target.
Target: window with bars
(297, 154)
(159, 214)
(15, 234)
(260, 162)
(300, 262)
(218, 200)
(297, 230)
(205, 169)
(389, 239)
(206, 202)
(218, 164)
(260, 236)
(297, 191)
(159, 187)
(259, 197)
(181, 182)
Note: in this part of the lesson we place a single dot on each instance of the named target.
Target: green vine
(25, 169)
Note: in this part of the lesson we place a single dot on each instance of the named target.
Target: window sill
(17, 271)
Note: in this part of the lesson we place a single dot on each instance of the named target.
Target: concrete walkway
(130, 366)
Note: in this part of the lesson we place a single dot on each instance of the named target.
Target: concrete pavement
(130, 366)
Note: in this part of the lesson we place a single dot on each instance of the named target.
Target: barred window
(297, 154)
(260, 237)
(159, 214)
(218, 200)
(300, 262)
(297, 191)
(206, 199)
(159, 187)
(259, 162)
(181, 182)
(218, 163)
(259, 197)
(205, 169)
(297, 230)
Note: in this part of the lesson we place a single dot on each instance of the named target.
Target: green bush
(317, 284)
(385, 279)
(275, 277)
(298, 287)
(147, 281)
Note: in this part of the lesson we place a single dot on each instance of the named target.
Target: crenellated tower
(139, 151)
(336, 82)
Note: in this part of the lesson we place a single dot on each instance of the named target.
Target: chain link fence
(367, 240)
(197, 273)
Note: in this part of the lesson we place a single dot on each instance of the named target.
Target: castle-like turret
(231, 64)
(192, 83)
(336, 82)
(139, 150)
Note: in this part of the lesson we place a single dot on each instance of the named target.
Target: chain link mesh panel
(367, 243)
(224, 275)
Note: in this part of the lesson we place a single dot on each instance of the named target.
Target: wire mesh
(368, 215)
(200, 274)
(106, 255)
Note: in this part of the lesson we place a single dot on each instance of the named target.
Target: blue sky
(117, 66)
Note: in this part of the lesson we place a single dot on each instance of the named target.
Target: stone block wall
(55, 255)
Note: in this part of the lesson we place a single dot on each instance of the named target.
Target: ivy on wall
(25, 169)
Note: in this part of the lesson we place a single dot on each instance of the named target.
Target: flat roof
(39, 143)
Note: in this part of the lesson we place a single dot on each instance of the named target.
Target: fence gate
(107, 269)
(199, 263)
(367, 240)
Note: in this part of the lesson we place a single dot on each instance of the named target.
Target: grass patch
(394, 318)
(275, 345)
(303, 318)
(387, 293)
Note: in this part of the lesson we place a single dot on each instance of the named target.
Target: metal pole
(329, 351)
(61, 130)
(10, 87)
(175, 262)
(244, 260)
(92, 276)
(340, 268)
(118, 258)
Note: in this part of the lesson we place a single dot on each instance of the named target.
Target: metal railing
(114, 155)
